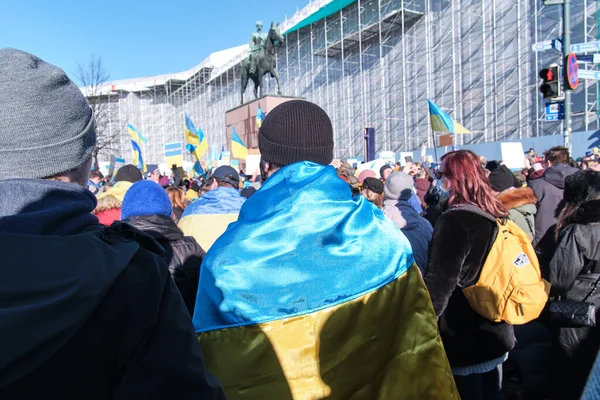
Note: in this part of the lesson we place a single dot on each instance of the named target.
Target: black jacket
(182, 254)
(549, 192)
(461, 242)
(88, 312)
(573, 271)
(418, 231)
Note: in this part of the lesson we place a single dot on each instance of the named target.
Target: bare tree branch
(93, 76)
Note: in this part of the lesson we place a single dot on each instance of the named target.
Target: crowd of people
(300, 281)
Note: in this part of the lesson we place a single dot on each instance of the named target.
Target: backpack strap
(474, 210)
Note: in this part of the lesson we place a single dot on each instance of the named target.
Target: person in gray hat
(398, 191)
(208, 217)
(76, 322)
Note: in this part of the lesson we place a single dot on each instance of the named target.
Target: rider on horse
(257, 43)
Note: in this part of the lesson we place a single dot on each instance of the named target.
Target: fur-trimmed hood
(517, 198)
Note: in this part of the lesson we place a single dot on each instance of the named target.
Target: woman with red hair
(462, 238)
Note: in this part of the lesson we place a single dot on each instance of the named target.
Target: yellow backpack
(510, 287)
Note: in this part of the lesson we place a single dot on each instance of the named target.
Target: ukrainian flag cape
(314, 294)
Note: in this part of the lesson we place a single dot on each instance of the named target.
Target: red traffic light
(549, 75)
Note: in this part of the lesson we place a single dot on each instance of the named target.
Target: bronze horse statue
(265, 62)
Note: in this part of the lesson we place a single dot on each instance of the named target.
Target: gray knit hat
(46, 126)
(399, 186)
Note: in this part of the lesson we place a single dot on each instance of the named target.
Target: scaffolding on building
(374, 63)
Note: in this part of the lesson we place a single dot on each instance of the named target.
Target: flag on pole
(442, 122)
(198, 168)
(222, 151)
(238, 148)
(260, 117)
(196, 141)
(136, 136)
(138, 159)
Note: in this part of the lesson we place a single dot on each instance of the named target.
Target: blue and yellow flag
(136, 136)
(260, 117)
(198, 168)
(138, 159)
(196, 141)
(296, 293)
(442, 122)
(238, 148)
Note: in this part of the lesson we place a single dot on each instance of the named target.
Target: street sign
(553, 2)
(572, 71)
(589, 74)
(555, 111)
(590, 58)
(541, 46)
(585, 47)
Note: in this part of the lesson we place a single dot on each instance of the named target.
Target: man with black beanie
(86, 311)
(299, 291)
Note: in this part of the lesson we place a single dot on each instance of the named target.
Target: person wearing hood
(520, 202)
(313, 293)
(87, 311)
(396, 206)
(108, 209)
(208, 217)
(574, 272)
(549, 189)
(147, 207)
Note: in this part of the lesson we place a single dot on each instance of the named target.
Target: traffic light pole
(566, 50)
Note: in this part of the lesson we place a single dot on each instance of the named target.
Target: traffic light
(551, 86)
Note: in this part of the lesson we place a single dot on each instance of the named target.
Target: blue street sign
(541, 46)
(585, 47)
(589, 74)
(555, 111)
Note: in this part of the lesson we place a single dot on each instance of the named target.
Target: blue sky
(134, 38)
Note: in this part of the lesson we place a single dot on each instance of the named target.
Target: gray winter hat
(46, 126)
(398, 186)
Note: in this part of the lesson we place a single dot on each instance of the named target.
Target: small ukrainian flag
(196, 140)
(260, 117)
(135, 134)
(138, 159)
(442, 122)
(238, 148)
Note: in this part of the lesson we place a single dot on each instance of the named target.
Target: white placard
(252, 164)
(513, 155)
(403, 155)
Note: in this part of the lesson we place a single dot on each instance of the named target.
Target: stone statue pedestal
(243, 119)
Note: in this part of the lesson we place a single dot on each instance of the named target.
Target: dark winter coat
(520, 204)
(574, 270)
(461, 242)
(182, 254)
(88, 312)
(418, 231)
(549, 192)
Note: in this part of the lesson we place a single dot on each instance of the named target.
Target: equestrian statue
(262, 59)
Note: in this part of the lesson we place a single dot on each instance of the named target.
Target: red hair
(468, 183)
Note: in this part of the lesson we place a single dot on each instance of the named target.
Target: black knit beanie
(295, 131)
(501, 179)
(128, 173)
